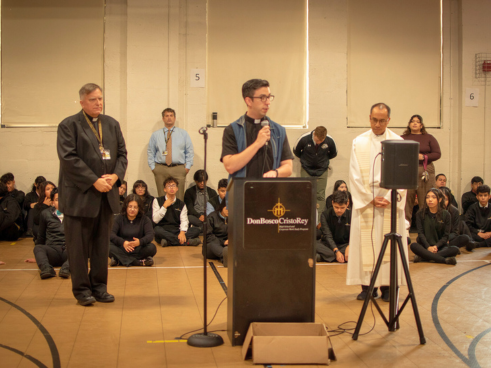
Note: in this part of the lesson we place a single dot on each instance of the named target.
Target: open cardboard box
(287, 343)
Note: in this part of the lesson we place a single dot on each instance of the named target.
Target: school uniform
(478, 219)
(335, 234)
(216, 235)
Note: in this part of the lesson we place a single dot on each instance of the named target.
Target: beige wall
(151, 45)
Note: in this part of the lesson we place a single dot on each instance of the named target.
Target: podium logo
(284, 224)
(278, 210)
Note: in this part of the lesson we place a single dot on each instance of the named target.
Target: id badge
(165, 153)
(106, 154)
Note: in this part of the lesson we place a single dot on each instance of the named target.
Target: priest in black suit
(93, 163)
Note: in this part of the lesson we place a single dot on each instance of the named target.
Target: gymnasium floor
(41, 325)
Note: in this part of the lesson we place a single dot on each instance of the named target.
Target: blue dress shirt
(182, 148)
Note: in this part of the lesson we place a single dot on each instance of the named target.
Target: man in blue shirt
(170, 153)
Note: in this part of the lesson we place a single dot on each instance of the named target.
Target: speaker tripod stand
(394, 310)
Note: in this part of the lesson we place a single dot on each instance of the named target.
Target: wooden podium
(271, 257)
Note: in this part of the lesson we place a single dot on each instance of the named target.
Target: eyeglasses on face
(264, 98)
(381, 121)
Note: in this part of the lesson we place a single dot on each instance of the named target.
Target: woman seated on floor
(30, 201)
(50, 249)
(434, 226)
(140, 188)
(43, 203)
(217, 234)
(132, 235)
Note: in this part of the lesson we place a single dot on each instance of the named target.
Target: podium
(271, 257)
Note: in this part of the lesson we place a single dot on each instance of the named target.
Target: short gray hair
(87, 89)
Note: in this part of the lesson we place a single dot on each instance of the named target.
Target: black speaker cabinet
(271, 258)
(399, 164)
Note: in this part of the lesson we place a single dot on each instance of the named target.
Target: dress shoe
(47, 271)
(364, 292)
(471, 245)
(104, 297)
(386, 295)
(148, 261)
(64, 271)
(86, 300)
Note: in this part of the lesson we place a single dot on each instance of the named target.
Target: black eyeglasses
(264, 98)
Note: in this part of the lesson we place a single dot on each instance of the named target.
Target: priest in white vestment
(371, 207)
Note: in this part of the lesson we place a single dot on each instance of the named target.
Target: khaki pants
(423, 187)
(162, 172)
(321, 188)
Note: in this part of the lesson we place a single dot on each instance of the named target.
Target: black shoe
(194, 242)
(471, 245)
(104, 297)
(64, 272)
(225, 257)
(417, 259)
(46, 272)
(364, 292)
(148, 261)
(29, 234)
(114, 262)
(318, 258)
(164, 243)
(385, 295)
(86, 300)
(451, 261)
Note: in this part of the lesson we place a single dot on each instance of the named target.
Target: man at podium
(254, 146)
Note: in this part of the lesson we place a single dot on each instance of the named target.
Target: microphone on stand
(264, 123)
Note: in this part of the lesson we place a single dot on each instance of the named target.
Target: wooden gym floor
(42, 325)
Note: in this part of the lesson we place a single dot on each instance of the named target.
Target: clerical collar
(92, 119)
(254, 121)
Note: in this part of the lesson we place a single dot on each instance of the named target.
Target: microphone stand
(205, 339)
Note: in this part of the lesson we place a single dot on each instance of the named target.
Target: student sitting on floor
(9, 181)
(44, 202)
(140, 188)
(132, 235)
(50, 249)
(460, 236)
(222, 192)
(10, 216)
(440, 182)
(122, 192)
(469, 198)
(478, 217)
(194, 198)
(434, 225)
(339, 185)
(335, 227)
(170, 217)
(30, 201)
(217, 234)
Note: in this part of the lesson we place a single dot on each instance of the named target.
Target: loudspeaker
(400, 163)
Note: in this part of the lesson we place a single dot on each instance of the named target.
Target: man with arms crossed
(371, 206)
(93, 163)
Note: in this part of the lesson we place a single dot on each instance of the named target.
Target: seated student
(342, 186)
(460, 236)
(10, 216)
(18, 195)
(140, 188)
(194, 198)
(30, 201)
(335, 227)
(170, 217)
(132, 235)
(440, 182)
(217, 234)
(478, 217)
(469, 198)
(44, 202)
(122, 192)
(434, 225)
(222, 192)
(50, 249)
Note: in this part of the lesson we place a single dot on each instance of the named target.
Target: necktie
(168, 148)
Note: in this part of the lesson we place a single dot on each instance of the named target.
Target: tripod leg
(393, 286)
(405, 266)
(370, 289)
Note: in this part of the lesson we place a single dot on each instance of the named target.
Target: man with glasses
(254, 146)
(371, 206)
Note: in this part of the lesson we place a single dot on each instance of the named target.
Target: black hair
(42, 190)
(200, 176)
(483, 189)
(132, 198)
(440, 206)
(3, 189)
(337, 184)
(477, 179)
(171, 179)
(436, 177)
(249, 87)
(222, 205)
(52, 194)
(7, 177)
(223, 183)
(382, 106)
(340, 197)
(37, 182)
(141, 183)
(408, 128)
(446, 193)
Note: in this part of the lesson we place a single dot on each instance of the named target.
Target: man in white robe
(371, 207)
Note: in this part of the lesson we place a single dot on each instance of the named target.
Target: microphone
(264, 123)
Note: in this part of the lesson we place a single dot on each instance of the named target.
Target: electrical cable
(199, 329)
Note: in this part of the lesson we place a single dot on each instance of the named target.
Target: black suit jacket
(81, 164)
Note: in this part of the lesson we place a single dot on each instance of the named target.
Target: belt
(171, 165)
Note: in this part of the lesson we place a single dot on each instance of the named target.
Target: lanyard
(98, 136)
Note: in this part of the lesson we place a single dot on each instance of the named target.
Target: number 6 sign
(472, 97)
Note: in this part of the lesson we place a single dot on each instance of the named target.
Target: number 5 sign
(197, 78)
(472, 97)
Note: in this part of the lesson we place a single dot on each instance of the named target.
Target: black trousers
(131, 259)
(11, 233)
(195, 221)
(478, 239)
(51, 255)
(214, 249)
(171, 234)
(326, 253)
(460, 241)
(439, 257)
(89, 238)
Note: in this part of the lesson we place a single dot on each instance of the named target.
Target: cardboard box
(287, 343)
